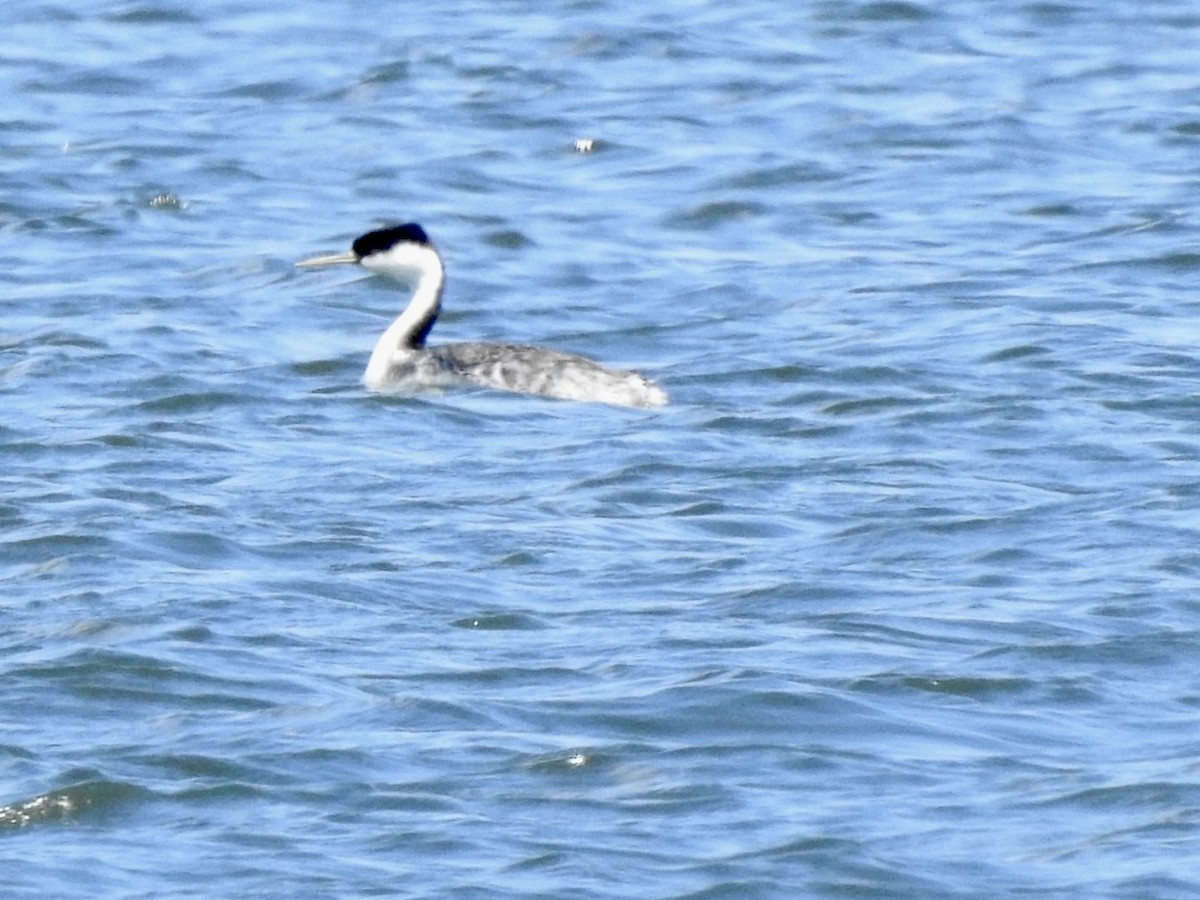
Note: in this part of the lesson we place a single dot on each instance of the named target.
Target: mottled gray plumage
(526, 370)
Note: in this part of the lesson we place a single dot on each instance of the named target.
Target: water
(897, 599)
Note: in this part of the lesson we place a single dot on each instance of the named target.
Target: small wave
(64, 803)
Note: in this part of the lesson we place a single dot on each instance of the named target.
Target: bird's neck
(410, 329)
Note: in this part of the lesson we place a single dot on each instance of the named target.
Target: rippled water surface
(898, 598)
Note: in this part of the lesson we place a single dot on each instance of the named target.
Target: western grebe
(401, 360)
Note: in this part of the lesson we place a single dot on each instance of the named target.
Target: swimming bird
(401, 360)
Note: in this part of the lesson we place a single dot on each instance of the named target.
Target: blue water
(898, 599)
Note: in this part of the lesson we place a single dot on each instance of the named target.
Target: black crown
(386, 238)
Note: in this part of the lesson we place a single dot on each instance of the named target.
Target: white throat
(420, 267)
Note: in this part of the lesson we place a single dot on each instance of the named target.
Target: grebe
(401, 360)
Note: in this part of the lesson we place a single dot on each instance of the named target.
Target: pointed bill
(335, 259)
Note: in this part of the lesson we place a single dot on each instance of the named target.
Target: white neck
(412, 326)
